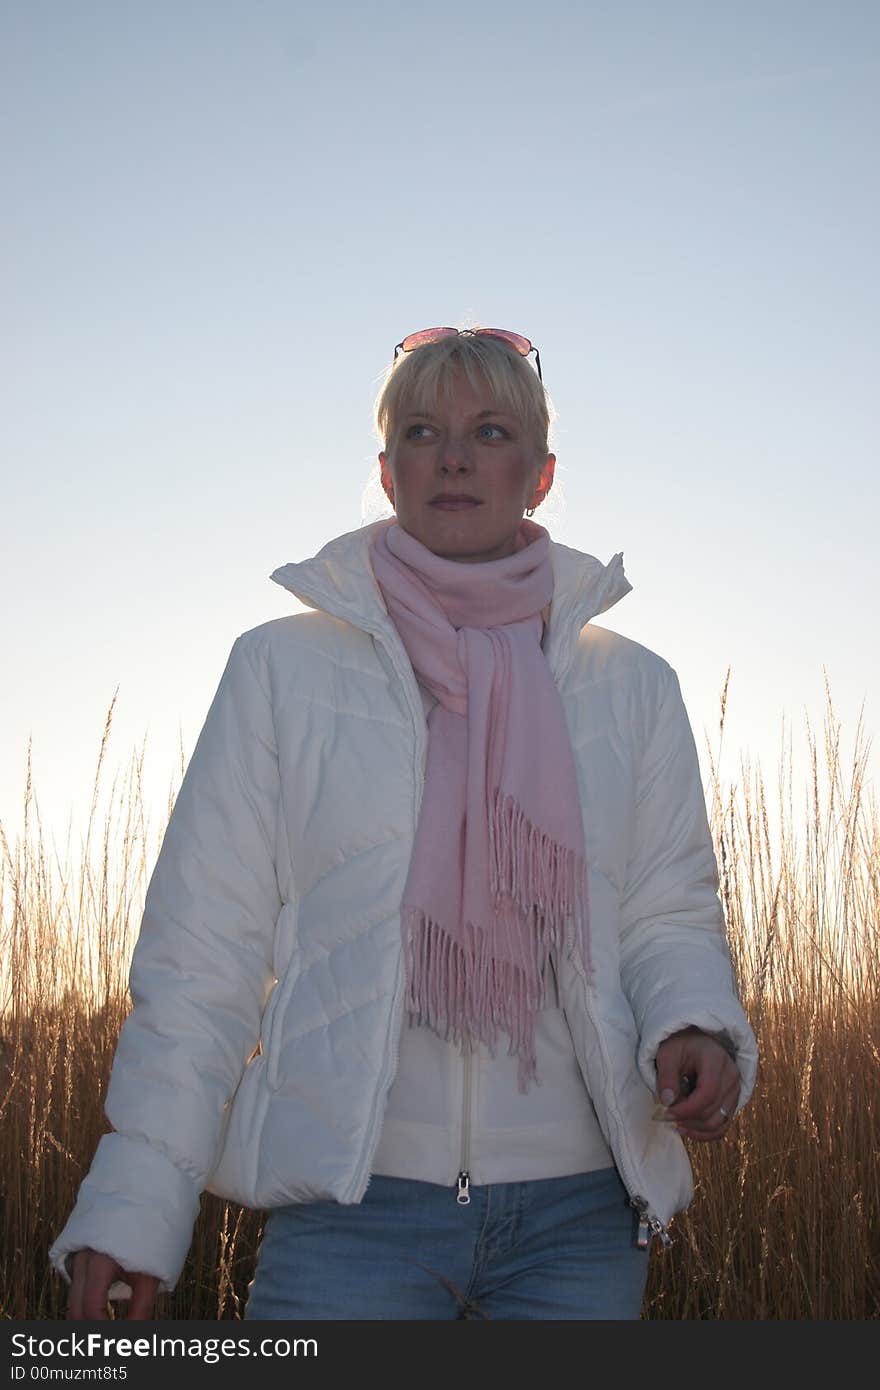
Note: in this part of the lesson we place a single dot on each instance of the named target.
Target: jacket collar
(339, 580)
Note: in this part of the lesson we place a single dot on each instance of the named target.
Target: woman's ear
(385, 474)
(545, 481)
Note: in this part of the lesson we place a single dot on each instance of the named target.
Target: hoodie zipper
(463, 1182)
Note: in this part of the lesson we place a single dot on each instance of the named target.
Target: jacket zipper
(463, 1182)
(648, 1220)
(375, 1128)
(362, 1181)
(648, 1225)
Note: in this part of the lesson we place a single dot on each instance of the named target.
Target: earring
(530, 511)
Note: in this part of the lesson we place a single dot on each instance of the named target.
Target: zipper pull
(463, 1195)
(649, 1223)
(644, 1235)
(661, 1232)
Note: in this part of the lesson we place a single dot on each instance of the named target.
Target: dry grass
(786, 1221)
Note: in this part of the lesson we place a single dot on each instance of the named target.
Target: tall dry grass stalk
(786, 1219)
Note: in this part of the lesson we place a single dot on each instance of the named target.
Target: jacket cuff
(134, 1205)
(731, 1030)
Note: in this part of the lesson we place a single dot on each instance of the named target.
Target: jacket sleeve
(200, 976)
(675, 962)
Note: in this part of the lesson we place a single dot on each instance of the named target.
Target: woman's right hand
(92, 1274)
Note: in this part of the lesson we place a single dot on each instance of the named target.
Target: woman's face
(460, 477)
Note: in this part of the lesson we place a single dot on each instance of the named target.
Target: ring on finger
(725, 1114)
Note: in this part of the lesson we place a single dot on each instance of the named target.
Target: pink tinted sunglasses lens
(516, 340)
(425, 336)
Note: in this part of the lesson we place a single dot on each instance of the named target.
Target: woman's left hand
(706, 1111)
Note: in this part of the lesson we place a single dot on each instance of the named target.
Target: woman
(435, 923)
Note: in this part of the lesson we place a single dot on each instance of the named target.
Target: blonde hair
(421, 379)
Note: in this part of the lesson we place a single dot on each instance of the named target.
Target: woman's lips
(454, 504)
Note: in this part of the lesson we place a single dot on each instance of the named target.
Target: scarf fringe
(529, 867)
(469, 995)
(468, 991)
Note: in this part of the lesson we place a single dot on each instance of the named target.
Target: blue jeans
(560, 1248)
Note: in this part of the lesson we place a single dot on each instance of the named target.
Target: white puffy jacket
(267, 979)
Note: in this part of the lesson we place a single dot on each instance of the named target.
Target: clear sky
(220, 218)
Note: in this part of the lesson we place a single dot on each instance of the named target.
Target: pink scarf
(497, 880)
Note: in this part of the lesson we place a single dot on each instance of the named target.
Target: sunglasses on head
(432, 335)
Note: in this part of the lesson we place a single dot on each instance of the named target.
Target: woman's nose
(455, 457)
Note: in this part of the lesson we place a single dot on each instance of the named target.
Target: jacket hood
(339, 580)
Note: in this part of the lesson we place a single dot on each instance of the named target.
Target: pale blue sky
(221, 217)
